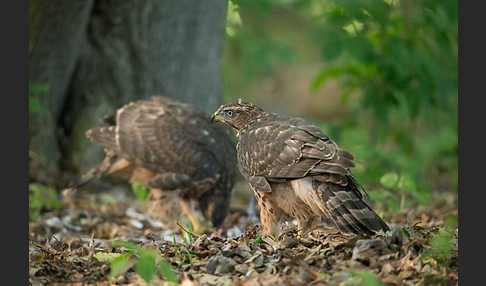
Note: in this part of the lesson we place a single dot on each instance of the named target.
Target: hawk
(296, 171)
(170, 146)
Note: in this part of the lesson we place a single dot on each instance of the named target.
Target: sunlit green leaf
(233, 19)
(141, 192)
(440, 247)
(450, 222)
(367, 279)
(145, 266)
(120, 264)
(41, 196)
(166, 271)
(106, 257)
(354, 27)
(389, 180)
(127, 245)
(407, 184)
(108, 199)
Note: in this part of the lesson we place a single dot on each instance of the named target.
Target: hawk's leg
(270, 217)
(197, 227)
(306, 224)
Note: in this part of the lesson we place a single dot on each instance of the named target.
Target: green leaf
(108, 199)
(367, 279)
(106, 257)
(38, 88)
(33, 155)
(450, 222)
(354, 27)
(43, 196)
(393, 204)
(140, 191)
(166, 271)
(407, 184)
(259, 240)
(321, 78)
(127, 245)
(35, 106)
(380, 195)
(405, 231)
(389, 180)
(440, 247)
(120, 264)
(145, 266)
(233, 19)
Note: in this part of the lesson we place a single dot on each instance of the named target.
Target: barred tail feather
(349, 212)
(106, 136)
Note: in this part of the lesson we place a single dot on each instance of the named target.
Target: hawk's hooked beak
(215, 117)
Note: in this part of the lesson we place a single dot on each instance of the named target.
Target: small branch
(187, 231)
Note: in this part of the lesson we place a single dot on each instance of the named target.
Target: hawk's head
(237, 115)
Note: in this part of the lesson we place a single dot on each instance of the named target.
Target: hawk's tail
(106, 136)
(102, 169)
(349, 212)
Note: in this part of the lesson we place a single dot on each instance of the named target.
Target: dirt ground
(65, 246)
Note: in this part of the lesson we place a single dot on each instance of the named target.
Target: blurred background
(378, 76)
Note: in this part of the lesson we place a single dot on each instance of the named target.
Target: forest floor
(76, 245)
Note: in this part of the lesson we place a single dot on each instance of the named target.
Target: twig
(187, 231)
(42, 247)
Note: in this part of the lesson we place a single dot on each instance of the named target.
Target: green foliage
(398, 54)
(36, 89)
(120, 264)
(146, 265)
(233, 19)
(41, 197)
(386, 197)
(390, 180)
(32, 155)
(141, 192)
(365, 279)
(398, 171)
(106, 257)
(442, 242)
(183, 251)
(35, 106)
(441, 247)
(108, 199)
(166, 271)
(259, 240)
(261, 52)
(396, 64)
(450, 222)
(254, 52)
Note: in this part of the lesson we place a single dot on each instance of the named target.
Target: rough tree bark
(98, 55)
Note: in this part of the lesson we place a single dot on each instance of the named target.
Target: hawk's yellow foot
(197, 226)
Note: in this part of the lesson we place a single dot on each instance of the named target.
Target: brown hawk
(296, 171)
(170, 146)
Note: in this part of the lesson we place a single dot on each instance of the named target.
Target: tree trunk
(98, 55)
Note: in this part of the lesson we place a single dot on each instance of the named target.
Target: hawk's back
(164, 135)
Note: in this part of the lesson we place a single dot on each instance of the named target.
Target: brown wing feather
(292, 151)
(348, 211)
(162, 135)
